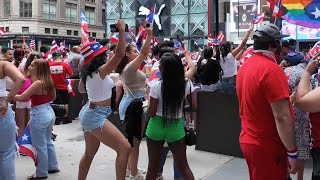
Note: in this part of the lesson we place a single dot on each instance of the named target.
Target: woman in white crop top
(93, 116)
(8, 127)
(226, 55)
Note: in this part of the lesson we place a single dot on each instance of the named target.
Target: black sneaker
(58, 121)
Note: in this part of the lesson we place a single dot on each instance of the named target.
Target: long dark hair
(44, 74)
(92, 67)
(225, 49)
(125, 60)
(18, 55)
(173, 85)
(32, 56)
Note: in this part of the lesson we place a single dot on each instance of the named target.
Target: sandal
(34, 177)
(54, 171)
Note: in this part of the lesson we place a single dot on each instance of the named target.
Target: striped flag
(258, 18)
(276, 7)
(150, 16)
(54, 46)
(32, 45)
(2, 31)
(84, 29)
(219, 37)
(70, 83)
(62, 46)
(25, 145)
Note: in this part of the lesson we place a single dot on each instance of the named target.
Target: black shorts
(62, 97)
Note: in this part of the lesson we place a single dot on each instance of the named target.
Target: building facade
(45, 20)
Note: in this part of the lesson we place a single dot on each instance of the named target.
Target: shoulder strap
(124, 84)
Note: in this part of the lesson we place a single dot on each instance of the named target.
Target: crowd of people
(277, 89)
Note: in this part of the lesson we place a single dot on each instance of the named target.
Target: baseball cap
(90, 50)
(56, 53)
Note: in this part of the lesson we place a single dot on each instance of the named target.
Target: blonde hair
(44, 75)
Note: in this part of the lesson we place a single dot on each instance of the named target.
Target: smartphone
(114, 28)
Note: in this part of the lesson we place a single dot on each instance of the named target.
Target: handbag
(191, 136)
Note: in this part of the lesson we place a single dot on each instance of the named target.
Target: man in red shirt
(59, 71)
(267, 137)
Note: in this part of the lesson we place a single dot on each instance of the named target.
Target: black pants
(315, 153)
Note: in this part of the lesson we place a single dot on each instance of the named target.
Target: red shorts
(264, 164)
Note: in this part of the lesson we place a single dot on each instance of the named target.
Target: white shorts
(23, 105)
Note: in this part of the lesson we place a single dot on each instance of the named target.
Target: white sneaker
(139, 176)
(141, 171)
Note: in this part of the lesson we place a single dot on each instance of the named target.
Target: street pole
(120, 8)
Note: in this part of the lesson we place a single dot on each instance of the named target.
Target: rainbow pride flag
(302, 12)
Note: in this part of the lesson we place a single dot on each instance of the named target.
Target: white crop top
(99, 89)
(3, 89)
(229, 66)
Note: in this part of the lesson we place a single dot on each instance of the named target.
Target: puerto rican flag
(89, 50)
(32, 45)
(314, 49)
(276, 7)
(150, 16)
(54, 46)
(70, 83)
(258, 18)
(155, 75)
(115, 38)
(25, 145)
(84, 29)
(2, 32)
(220, 37)
(62, 46)
(211, 41)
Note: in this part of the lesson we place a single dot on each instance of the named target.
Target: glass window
(94, 34)
(54, 31)
(49, 9)
(90, 15)
(69, 32)
(25, 29)
(103, 16)
(7, 29)
(6, 8)
(71, 12)
(25, 8)
(47, 30)
(75, 33)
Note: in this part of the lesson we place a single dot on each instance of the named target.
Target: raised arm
(307, 100)
(237, 50)
(192, 68)
(135, 64)
(108, 67)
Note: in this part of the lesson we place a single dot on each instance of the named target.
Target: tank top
(27, 84)
(3, 90)
(99, 89)
(37, 100)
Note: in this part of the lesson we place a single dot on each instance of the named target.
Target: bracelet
(293, 154)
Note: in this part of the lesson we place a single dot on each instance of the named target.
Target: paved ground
(70, 147)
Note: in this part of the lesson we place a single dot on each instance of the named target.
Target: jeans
(163, 157)
(8, 130)
(315, 153)
(41, 123)
(228, 86)
(127, 99)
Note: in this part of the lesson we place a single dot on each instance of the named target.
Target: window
(6, 8)
(69, 32)
(47, 30)
(75, 33)
(91, 1)
(71, 12)
(25, 29)
(90, 15)
(49, 9)
(54, 31)
(103, 16)
(104, 35)
(94, 34)
(25, 8)
(7, 29)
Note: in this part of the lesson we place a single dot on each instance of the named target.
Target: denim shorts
(92, 119)
(127, 99)
(228, 86)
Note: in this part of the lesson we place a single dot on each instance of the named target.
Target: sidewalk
(70, 147)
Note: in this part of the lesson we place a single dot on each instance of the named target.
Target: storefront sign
(242, 13)
(145, 11)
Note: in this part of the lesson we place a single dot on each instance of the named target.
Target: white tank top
(3, 89)
(99, 89)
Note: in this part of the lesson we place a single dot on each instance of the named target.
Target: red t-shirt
(59, 72)
(315, 129)
(260, 82)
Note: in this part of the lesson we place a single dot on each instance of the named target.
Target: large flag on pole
(84, 28)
